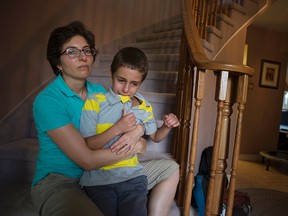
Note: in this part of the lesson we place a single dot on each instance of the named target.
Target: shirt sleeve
(50, 112)
(89, 117)
(149, 120)
(150, 126)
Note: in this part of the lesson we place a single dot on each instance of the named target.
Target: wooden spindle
(223, 84)
(241, 100)
(185, 126)
(199, 91)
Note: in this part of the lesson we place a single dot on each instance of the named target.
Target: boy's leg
(58, 195)
(163, 177)
(105, 197)
(133, 197)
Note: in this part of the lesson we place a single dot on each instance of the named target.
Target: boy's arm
(126, 123)
(99, 140)
(160, 134)
(170, 121)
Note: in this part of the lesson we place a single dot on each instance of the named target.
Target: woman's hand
(128, 140)
(141, 146)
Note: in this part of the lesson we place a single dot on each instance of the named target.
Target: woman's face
(79, 67)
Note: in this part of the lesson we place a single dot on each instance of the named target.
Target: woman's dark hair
(130, 57)
(62, 35)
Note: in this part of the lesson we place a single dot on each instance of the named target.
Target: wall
(27, 24)
(263, 108)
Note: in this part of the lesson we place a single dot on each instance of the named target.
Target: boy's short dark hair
(132, 58)
(62, 35)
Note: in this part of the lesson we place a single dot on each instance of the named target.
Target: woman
(63, 152)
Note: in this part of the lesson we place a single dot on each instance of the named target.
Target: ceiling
(275, 18)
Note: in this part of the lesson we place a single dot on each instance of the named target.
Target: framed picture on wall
(270, 73)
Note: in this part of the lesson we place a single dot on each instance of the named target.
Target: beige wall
(263, 109)
(26, 26)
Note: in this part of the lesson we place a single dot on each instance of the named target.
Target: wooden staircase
(231, 86)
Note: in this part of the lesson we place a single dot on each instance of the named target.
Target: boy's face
(126, 81)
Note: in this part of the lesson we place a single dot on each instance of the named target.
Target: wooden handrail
(231, 88)
(196, 49)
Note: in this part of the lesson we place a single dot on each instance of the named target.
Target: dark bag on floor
(200, 188)
(241, 204)
(199, 192)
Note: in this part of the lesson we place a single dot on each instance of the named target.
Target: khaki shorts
(57, 195)
(158, 170)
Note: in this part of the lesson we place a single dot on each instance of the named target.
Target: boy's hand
(171, 120)
(126, 123)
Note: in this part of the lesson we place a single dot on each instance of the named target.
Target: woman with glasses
(63, 153)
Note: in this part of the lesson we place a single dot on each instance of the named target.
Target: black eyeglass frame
(93, 51)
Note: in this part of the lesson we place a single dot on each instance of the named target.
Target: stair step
(154, 85)
(157, 62)
(176, 19)
(152, 74)
(207, 46)
(162, 36)
(20, 157)
(161, 147)
(156, 81)
(253, 4)
(214, 31)
(162, 103)
(238, 13)
(158, 97)
(159, 47)
(168, 27)
(163, 62)
(159, 86)
(224, 23)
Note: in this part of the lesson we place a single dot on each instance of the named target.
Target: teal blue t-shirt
(54, 107)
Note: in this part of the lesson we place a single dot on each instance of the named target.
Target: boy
(121, 188)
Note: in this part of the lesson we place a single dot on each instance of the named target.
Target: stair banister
(232, 85)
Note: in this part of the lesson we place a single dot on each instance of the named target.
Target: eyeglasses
(73, 52)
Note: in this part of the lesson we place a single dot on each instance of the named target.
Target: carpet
(266, 202)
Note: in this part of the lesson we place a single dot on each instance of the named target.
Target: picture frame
(270, 74)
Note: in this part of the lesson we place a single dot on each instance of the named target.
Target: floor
(253, 174)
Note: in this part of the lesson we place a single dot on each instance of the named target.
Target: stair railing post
(177, 141)
(187, 79)
(222, 93)
(185, 133)
(241, 100)
(199, 91)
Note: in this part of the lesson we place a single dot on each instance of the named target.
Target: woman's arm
(71, 142)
